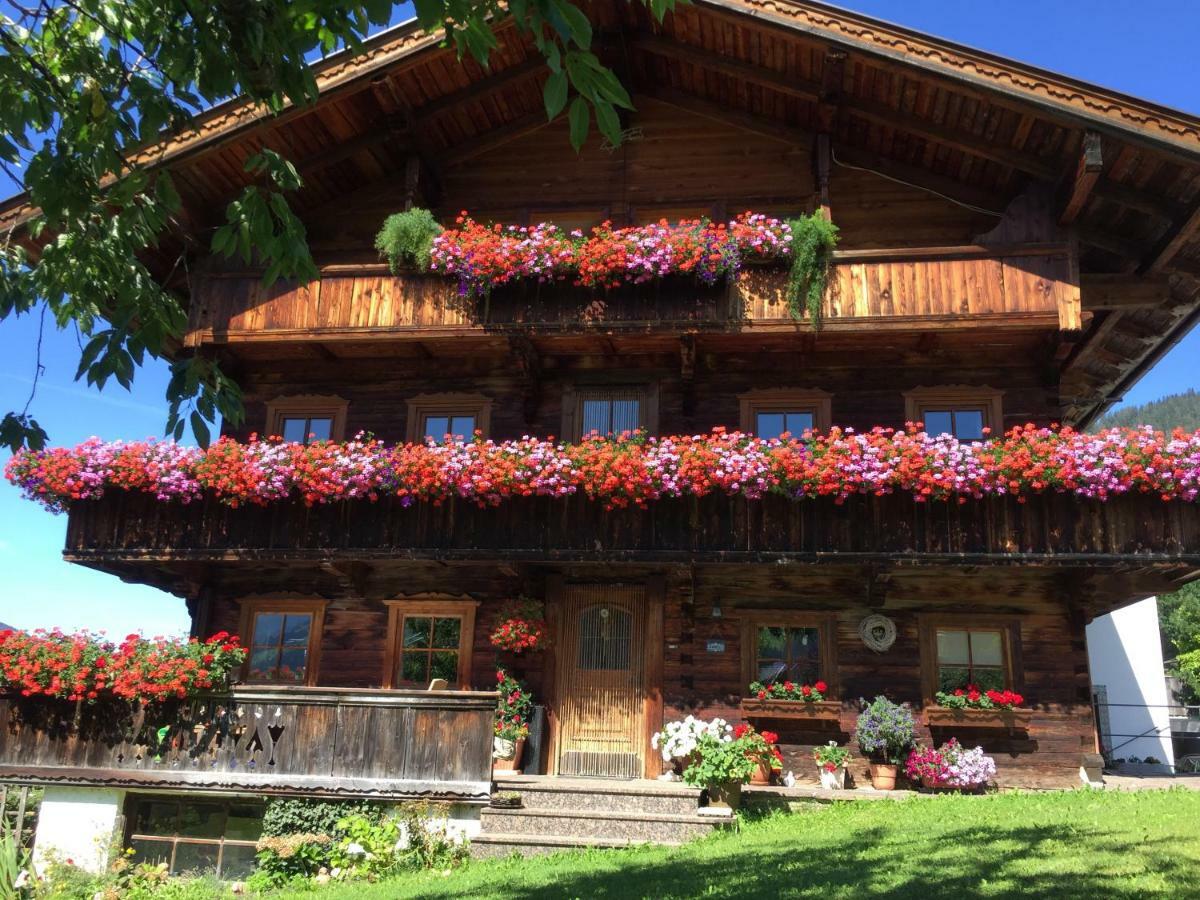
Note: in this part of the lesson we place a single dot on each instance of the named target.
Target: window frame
(309, 406)
(1009, 626)
(420, 407)
(575, 394)
(960, 396)
(253, 607)
(811, 400)
(436, 606)
(825, 623)
(134, 801)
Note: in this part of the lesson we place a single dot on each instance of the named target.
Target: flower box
(1010, 719)
(816, 710)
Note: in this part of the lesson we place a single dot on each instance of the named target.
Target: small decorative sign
(715, 646)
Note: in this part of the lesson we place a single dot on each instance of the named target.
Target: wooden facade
(1014, 245)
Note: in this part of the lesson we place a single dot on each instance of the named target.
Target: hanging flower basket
(522, 627)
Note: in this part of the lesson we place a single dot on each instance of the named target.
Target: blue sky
(1090, 39)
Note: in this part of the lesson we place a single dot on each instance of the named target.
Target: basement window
(195, 837)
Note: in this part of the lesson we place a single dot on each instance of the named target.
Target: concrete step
(597, 794)
(658, 828)
(492, 846)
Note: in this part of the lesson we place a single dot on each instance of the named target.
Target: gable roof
(950, 119)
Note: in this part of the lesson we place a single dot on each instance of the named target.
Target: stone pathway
(1150, 782)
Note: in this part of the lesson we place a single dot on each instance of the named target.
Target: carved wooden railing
(1024, 285)
(321, 741)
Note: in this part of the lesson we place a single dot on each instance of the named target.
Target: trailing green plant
(291, 858)
(814, 238)
(721, 761)
(406, 238)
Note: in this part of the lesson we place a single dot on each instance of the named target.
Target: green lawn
(1078, 844)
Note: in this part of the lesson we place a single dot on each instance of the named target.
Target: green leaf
(199, 429)
(578, 117)
(555, 93)
(608, 122)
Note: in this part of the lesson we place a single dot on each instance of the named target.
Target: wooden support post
(412, 178)
(530, 366)
(687, 372)
(1082, 183)
(199, 607)
(822, 161)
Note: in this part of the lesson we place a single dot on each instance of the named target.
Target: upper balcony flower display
(632, 469)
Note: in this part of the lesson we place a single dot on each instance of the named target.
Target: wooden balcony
(1047, 529)
(1015, 286)
(435, 745)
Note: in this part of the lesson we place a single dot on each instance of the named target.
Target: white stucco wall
(77, 824)
(1125, 655)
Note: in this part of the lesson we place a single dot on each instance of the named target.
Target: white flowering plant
(681, 738)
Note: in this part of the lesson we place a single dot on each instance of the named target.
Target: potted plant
(722, 766)
(762, 750)
(950, 766)
(831, 765)
(511, 723)
(522, 627)
(885, 732)
(679, 741)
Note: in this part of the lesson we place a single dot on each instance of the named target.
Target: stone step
(492, 846)
(597, 794)
(657, 828)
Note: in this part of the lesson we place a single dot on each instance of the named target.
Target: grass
(1075, 844)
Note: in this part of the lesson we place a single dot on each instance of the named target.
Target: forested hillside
(1172, 411)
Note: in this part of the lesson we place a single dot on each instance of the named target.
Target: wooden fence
(318, 741)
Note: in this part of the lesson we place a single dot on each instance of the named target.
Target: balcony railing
(387, 744)
(1050, 528)
(1025, 285)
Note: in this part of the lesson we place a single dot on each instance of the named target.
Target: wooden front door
(601, 683)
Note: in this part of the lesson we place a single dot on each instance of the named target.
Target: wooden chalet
(1016, 246)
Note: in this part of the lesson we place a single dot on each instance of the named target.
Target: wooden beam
(871, 110)
(493, 83)
(750, 122)
(1172, 242)
(1109, 292)
(833, 85)
(497, 137)
(1141, 201)
(1087, 173)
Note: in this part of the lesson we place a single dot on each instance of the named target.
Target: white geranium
(679, 739)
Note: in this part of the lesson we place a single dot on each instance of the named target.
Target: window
(195, 836)
(967, 656)
(768, 414)
(961, 650)
(608, 410)
(285, 638)
(781, 646)
(307, 419)
(963, 412)
(437, 415)
(429, 639)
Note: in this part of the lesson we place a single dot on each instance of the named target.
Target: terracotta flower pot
(883, 776)
(512, 764)
(727, 795)
(761, 774)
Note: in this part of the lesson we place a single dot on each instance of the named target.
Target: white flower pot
(832, 781)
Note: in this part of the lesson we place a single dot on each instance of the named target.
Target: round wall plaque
(877, 632)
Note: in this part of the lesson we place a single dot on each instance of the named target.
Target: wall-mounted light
(716, 608)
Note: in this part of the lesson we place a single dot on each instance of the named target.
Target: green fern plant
(406, 238)
(813, 241)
